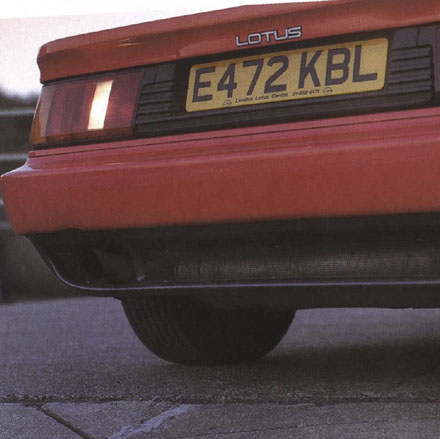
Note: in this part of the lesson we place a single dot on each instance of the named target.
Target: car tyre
(187, 331)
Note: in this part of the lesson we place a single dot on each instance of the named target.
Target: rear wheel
(184, 330)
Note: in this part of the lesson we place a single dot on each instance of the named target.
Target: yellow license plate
(337, 69)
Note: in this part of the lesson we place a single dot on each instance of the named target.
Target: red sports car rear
(218, 171)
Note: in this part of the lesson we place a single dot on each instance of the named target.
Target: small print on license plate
(296, 74)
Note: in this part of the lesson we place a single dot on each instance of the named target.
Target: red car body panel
(215, 32)
(370, 164)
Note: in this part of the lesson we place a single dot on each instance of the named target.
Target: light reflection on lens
(98, 110)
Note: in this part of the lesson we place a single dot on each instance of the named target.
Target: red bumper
(375, 164)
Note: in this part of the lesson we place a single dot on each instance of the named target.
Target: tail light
(86, 109)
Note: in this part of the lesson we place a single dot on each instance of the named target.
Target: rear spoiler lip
(215, 32)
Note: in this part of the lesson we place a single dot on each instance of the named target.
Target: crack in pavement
(63, 422)
(325, 401)
(154, 423)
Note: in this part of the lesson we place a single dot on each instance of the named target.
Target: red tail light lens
(86, 109)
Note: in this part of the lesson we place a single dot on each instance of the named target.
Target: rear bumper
(364, 165)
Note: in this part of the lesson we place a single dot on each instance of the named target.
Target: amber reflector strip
(86, 109)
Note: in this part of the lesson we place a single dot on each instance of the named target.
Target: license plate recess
(323, 71)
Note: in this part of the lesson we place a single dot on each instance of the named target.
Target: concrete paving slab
(108, 419)
(338, 373)
(403, 430)
(20, 422)
(84, 350)
(121, 420)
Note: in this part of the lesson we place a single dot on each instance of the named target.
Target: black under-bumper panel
(378, 252)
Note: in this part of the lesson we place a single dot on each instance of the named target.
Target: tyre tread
(184, 330)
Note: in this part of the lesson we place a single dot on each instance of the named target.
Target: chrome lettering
(281, 38)
(240, 43)
(294, 32)
(269, 36)
(255, 38)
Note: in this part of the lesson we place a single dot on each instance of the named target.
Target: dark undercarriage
(373, 261)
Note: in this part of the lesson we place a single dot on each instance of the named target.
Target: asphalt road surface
(74, 369)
